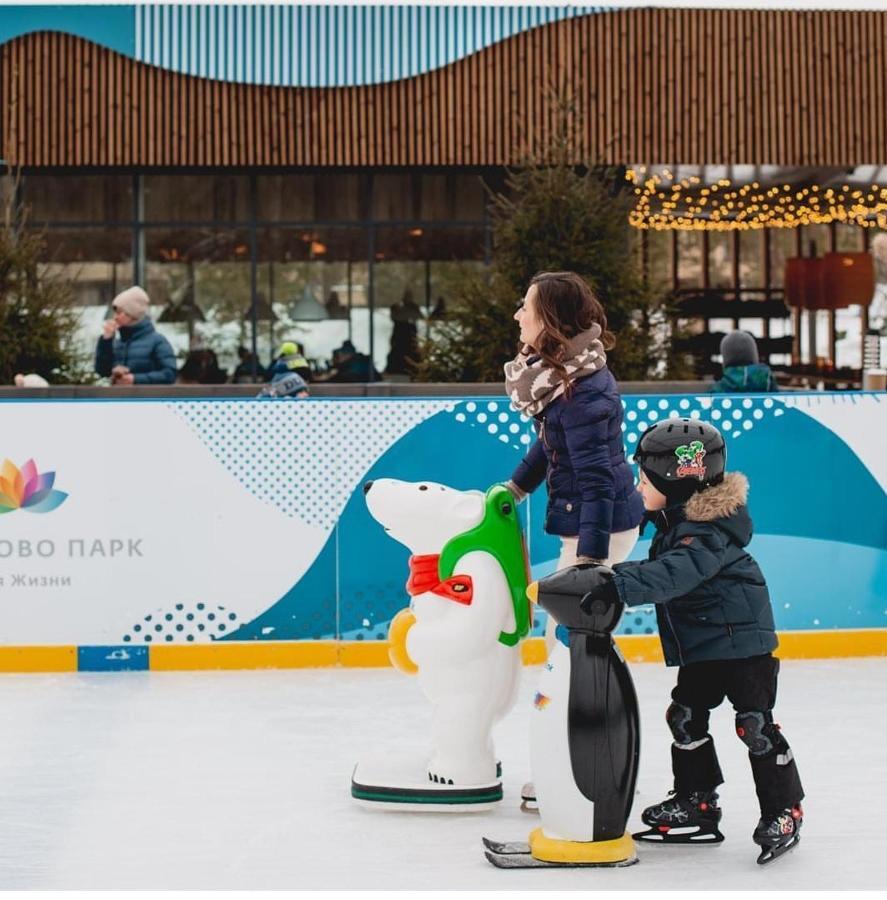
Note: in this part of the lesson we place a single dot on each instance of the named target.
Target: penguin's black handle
(603, 725)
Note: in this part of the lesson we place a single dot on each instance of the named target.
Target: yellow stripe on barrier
(246, 655)
(38, 659)
(832, 644)
(636, 648)
(364, 654)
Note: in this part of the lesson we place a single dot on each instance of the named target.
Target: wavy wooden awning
(651, 85)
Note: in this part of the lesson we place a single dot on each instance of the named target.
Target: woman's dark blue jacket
(580, 455)
(139, 347)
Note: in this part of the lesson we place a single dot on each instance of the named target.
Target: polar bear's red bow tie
(424, 578)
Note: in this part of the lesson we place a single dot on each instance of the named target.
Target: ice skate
(683, 819)
(777, 834)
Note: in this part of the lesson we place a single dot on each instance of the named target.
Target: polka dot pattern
(184, 623)
(498, 419)
(734, 416)
(304, 458)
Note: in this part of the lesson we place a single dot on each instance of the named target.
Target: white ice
(241, 780)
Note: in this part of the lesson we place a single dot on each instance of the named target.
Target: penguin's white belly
(566, 813)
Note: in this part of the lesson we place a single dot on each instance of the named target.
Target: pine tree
(554, 216)
(37, 318)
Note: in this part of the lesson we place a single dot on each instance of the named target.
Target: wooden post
(736, 274)
(796, 310)
(832, 313)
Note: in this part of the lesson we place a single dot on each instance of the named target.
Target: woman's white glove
(519, 494)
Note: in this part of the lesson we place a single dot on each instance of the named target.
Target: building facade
(322, 173)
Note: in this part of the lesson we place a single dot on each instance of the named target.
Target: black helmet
(677, 453)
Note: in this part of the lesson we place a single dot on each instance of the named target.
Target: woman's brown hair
(566, 306)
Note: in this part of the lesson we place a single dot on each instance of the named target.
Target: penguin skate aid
(468, 611)
(584, 733)
(716, 626)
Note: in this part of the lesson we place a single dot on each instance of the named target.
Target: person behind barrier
(560, 378)
(743, 372)
(716, 625)
(249, 369)
(350, 367)
(290, 386)
(130, 350)
(290, 359)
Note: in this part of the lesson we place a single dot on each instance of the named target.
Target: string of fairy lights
(687, 204)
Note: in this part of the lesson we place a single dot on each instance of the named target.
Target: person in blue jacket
(130, 350)
(743, 372)
(560, 378)
(716, 624)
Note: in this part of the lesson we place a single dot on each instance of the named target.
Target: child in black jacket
(716, 624)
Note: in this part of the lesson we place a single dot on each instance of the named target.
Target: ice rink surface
(241, 780)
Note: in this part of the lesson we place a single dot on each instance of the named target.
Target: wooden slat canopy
(651, 85)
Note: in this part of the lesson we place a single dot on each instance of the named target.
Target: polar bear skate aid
(584, 736)
(460, 637)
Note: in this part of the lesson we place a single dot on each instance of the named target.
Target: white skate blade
(404, 785)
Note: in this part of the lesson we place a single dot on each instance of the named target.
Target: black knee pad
(760, 733)
(679, 717)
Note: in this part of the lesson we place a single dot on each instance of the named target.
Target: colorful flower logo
(28, 489)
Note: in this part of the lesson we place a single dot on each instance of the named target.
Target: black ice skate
(778, 833)
(688, 819)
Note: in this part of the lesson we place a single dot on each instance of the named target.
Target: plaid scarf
(532, 384)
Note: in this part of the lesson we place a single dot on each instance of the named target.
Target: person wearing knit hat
(130, 350)
(133, 302)
(289, 359)
(743, 372)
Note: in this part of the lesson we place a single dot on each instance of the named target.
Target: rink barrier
(373, 654)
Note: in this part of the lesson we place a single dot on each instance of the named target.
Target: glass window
(338, 197)
(78, 198)
(285, 198)
(436, 203)
(720, 259)
(469, 198)
(816, 240)
(416, 271)
(878, 307)
(689, 258)
(751, 258)
(196, 198)
(659, 259)
(783, 246)
(393, 197)
(849, 238)
(199, 284)
(315, 291)
(451, 197)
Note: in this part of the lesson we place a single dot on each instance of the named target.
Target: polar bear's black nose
(366, 486)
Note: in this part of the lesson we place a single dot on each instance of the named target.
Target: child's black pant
(750, 685)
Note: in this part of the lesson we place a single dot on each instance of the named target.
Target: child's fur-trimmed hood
(719, 501)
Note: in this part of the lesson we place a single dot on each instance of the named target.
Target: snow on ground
(241, 780)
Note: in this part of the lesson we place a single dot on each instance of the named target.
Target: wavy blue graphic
(111, 26)
(372, 567)
(820, 518)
